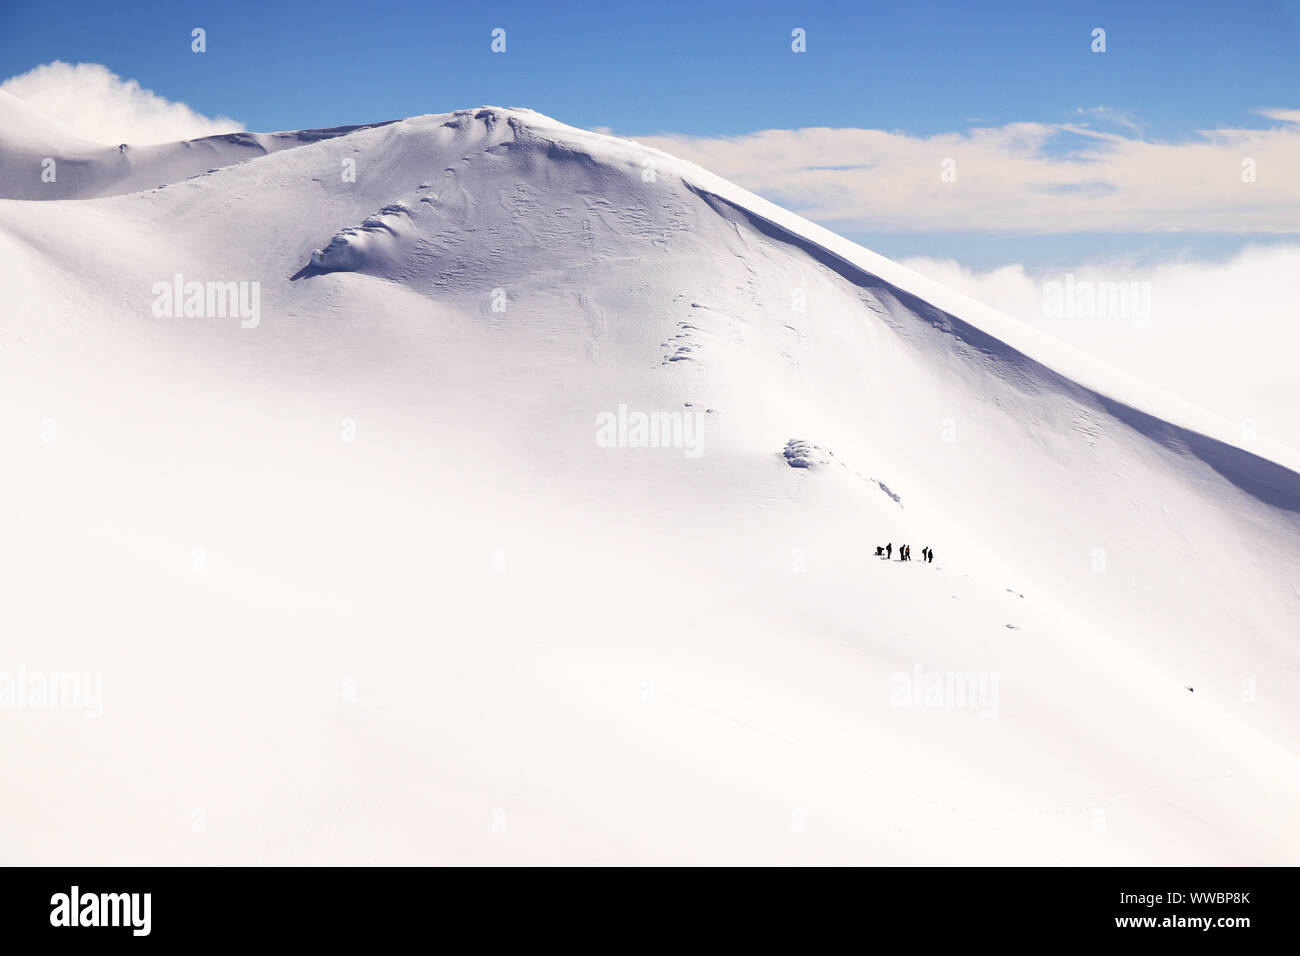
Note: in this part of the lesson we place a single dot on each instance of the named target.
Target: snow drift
(364, 584)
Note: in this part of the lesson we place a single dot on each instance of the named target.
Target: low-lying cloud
(92, 101)
(1032, 178)
(1222, 335)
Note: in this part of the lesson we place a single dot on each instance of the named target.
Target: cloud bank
(95, 103)
(1223, 335)
(1029, 178)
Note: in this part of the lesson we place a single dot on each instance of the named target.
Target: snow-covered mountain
(359, 534)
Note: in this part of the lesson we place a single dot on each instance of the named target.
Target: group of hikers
(904, 552)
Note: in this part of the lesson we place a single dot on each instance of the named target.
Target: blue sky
(696, 69)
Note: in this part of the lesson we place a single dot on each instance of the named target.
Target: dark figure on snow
(879, 550)
(889, 550)
(902, 553)
(930, 557)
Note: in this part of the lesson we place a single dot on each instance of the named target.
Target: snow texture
(363, 586)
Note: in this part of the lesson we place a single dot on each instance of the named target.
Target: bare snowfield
(373, 570)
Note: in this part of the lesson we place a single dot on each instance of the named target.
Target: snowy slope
(364, 585)
(84, 170)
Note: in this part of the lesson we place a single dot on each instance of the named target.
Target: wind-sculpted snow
(804, 454)
(480, 544)
(369, 247)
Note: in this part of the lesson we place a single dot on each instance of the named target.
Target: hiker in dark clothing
(879, 550)
(930, 557)
(889, 550)
(902, 553)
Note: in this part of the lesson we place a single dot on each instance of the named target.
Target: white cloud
(95, 103)
(1222, 335)
(1106, 114)
(1031, 178)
